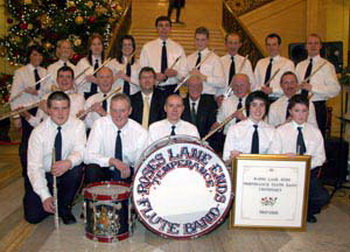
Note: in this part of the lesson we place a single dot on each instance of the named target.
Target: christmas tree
(44, 22)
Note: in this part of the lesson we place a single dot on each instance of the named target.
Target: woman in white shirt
(86, 84)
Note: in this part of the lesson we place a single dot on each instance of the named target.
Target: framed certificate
(271, 192)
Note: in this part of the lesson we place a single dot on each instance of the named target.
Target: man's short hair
(147, 69)
(121, 97)
(231, 34)
(202, 30)
(173, 95)
(316, 36)
(66, 69)
(57, 96)
(257, 95)
(274, 35)
(162, 18)
(107, 68)
(288, 73)
(298, 99)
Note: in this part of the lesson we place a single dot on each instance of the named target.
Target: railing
(122, 28)
(231, 23)
(242, 7)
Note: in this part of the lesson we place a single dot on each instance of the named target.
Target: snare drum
(107, 211)
(181, 189)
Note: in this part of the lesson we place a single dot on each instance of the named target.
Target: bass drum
(181, 189)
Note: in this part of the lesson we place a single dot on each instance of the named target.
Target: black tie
(164, 63)
(255, 141)
(239, 106)
(65, 64)
(58, 144)
(104, 103)
(268, 72)
(193, 113)
(93, 89)
(173, 130)
(301, 148)
(199, 58)
(232, 70)
(37, 78)
(287, 113)
(126, 87)
(118, 147)
(307, 74)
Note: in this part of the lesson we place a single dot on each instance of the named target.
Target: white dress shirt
(324, 83)
(278, 62)
(278, 112)
(151, 55)
(81, 66)
(212, 68)
(101, 143)
(160, 129)
(246, 68)
(77, 102)
(135, 69)
(228, 107)
(23, 78)
(53, 69)
(41, 145)
(239, 138)
(91, 117)
(312, 137)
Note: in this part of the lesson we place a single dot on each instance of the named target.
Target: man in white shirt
(267, 67)
(206, 64)
(304, 139)
(64, 138)
(93, 104)
(65, 81)
(115, 143)
(279, 113)
(165, 56)
(323, 84)
(234, 63)
(64, 52)
(253, 135)
(172, 125)
(234, 104)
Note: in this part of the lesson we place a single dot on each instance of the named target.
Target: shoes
(179, 22)
(311, 219)
(68, 219)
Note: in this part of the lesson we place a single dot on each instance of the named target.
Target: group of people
(123, 105)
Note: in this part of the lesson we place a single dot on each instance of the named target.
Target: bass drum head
(182, 189)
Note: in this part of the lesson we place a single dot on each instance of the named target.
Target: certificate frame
(253, 209)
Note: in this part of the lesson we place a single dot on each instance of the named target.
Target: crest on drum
(182, 189)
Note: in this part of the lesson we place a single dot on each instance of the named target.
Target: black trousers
(318, 195)
(95, 173)
(321, 116)
(67, 186)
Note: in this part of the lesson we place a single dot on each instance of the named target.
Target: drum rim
(106, 239)
(121, 196)
(178, 237)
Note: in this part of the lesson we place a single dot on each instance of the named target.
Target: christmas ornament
(79, 20)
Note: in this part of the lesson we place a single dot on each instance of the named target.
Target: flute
(56, 220)
(272, 77)
(17, 112)
(22, 92)
(85, 112)
(314, 72)
(95, 71)
(229, 90)
(188, 76)
(222, 124)
(174, 63)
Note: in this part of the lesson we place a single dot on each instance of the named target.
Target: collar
(295, 125)
(115, 126)
(275, 59)
(31, 67)
(171, 124)
(54, 125)
(203, 52)
(314, 59)
(144, 95)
